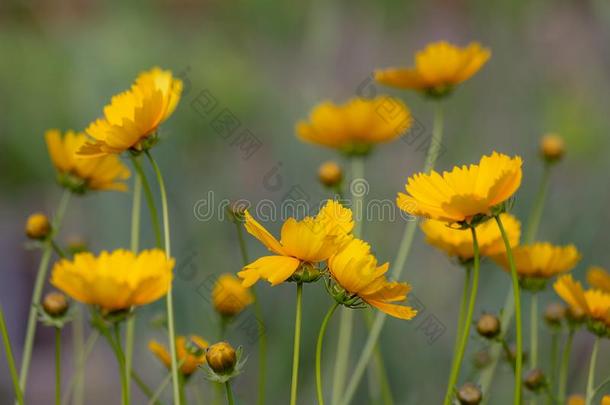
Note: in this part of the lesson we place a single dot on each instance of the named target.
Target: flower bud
(488, 326)
(330, 174)
(552, 147)
(55, 304)
(221, 358)
(76, 244)
(38, 226)
(554, 313)
(469, 394)
(534, 380)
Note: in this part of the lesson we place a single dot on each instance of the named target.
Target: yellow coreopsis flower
(458, 242)
(541, 260)
(306, 242)
(355, 270)
(79, 174)
(190, 351)
(463, 193)
(229, 296)
(599, 278)
(438, 68)
(357, 125)
(117, 280)
(134, 115)
(595, 304)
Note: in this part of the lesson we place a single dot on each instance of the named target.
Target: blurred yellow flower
(599, 278)
(38, 226)
(541, 260)
(576, 399)
(229, 296)
(552, 147)
(605, 400)
(116, 280)
(190, 357)
(355, 269)
(463, 193)
(134, 115)
(79, 174)
(458, 242)
(312, 240)
(595, 304)
(357, 125)
(438, 68)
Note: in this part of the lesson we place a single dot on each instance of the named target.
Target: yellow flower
(117, 280)
(464, 192)
(312, 240)
(458, 242)
(438, 68)
(187, 355)
(355, 269)
(593, 303)
(357, 125)
(134, 115)
(78, 174)
(552, 147)
(576, 399)
(229, 296)
(605, 400)
(38, 226)
(598, 278)
(541, 260)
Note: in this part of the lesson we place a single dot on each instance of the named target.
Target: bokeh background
(268, 62)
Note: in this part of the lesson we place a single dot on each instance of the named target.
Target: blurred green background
(268, 62)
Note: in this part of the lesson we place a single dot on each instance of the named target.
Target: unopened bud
(552, 147)
(37, 226)
(55, 304)
(469, 394)
(488, 326)
(534, 380)
(330, 174)
(221, 358)
(554, 313)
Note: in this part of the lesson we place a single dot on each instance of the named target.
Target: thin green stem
(399, 263)
(57, 249)
(41, 277)
(463, 306)
(80, 368)
(243, 248)
(553, 368)
(600, 386)
(181, 386)
(169, 297)
(125, 381)
(321, 334)
(150, 200)
(457, 361)
(142, 385)
(297, 346)
(230, 400)
(518, 320)
(508, 353)
(533, 222)
(8, 351)
(157, 393)
(534, 329)
(591, 377)
(57, 366)
(78, 338)
(563, 370)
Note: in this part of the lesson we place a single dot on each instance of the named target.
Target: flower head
(79, 174)
(134, 115)
(463, 193)
(576, 399)
(306, 242)
(599, 278)
(190, 359)
(357, 125)
(355, 270)
(552, 147)
(229, 296)
(38, 226)
(438, 68)
(458, 242)
(330, 174)
(55, 304)
(594, 304)
(541, 260)
(115, 281)
(221, 357)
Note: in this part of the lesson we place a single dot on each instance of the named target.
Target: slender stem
(457, 361)
(297, 346)
(230, 400)
(57, 249)
(153, 399)
(142, 385)
(125, 381)
(78, 337)
(563, 370)
(358, 193)
(399, 263)
(8, 351)
(518, 321)
(534, 329)
(463, 306)
(243, 248)
(169, 297)
(508, 353)
(57, 366)
(37, 292)
(591, 377)
(181, 386)
(319, 390)
(553, 373)
(79, 369)
(600, 386)
(534, 220)
(150, 201)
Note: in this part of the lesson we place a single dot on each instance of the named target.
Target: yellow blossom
(229, 296)
(576, 399)
(464, 192)
(357, 125)
(190, 360)
(355, 269)
(595, 304)
(541, 260)
(37, 226)
(309, 241)
(458, 242)
(117, 280)
(605, 400)
(437, 69)
(135, 114)
(599, 278)
(79, 174)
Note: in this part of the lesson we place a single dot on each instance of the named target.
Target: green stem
(181, 386)
(534, 220)
(297, 346)
(57, 366)
(463, 306)
(399, 263)
(57, 249)
(457, 361)
(142, 385)
(591, 377)
(563, 370)
(169, 297)
(8, 351)
(508, 353)
(518, 321)
(534, 329)
(150, 201)
(319, 390)
(153, 399)
(229, 393)
(36, 294)
(78, 337)
(125, 381)
(553, 369)
(80, 368)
